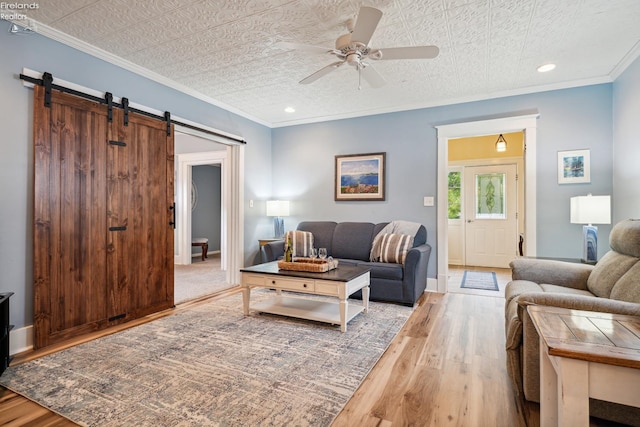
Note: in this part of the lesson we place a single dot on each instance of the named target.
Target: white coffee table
(339, 283)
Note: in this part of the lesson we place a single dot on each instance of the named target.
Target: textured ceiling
(226, 50)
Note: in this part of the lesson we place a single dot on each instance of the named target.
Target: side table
(585, 354)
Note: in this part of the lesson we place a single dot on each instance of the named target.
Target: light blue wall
(16, 165)
(303, 161)
(626, 145)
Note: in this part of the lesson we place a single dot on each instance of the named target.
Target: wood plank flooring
(446, 367)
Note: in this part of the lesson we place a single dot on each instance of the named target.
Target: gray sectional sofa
(351, 242)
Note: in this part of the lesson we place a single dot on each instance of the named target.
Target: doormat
(485, 280)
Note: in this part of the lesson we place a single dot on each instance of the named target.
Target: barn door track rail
(47, 82)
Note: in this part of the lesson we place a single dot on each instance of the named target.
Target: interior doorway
(526, 124)
(198, 276)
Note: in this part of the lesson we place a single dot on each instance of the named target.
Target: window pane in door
(455, 193)
(490, 196)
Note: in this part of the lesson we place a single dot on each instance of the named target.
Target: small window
(490, 192)
(455, 192)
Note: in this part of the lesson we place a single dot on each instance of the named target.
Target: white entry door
(490, 215)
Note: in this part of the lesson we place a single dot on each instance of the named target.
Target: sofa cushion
(611, 267)
(352, 240)
(301, 242)
(628, 287)
(383, 270)
(322, 233)
(564, 290)
(421, 237)
(394, 247)
(625, 237)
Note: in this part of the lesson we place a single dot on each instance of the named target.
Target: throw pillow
(394, 247)
(301, 242)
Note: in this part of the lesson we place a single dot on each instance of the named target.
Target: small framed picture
(360, 177)
(574, 167)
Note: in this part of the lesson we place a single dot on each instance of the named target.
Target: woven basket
(308, 264)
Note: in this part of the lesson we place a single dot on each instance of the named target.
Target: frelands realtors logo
(13, 11)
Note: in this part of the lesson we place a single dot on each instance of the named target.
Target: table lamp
(278, 209)
(590, 210)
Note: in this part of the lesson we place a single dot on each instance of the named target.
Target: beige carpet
(212, 366)
(199, 279)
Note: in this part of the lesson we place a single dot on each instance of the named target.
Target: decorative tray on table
(309, 264)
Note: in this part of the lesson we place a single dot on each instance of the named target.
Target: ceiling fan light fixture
(501, 144)
(546, 68)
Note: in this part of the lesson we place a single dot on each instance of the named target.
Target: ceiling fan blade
(303, 47)
(321, 72)
(412, 52)
(366, 24)
(372, 76)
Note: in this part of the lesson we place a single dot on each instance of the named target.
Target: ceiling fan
(353, 49)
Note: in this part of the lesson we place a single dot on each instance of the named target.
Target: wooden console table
(585, 354)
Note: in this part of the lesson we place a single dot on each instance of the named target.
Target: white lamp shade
(591, 210)
(277, 208)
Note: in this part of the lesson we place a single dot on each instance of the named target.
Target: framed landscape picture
(574, 167)
(360, 177)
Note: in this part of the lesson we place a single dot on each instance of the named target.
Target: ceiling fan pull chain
(359, 77)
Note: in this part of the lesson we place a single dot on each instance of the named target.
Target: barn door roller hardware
(47, 82)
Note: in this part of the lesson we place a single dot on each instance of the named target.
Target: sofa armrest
(579, 302)
(561, 273)
(415, 271)
(273, 250)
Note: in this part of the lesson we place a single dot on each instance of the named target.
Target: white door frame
(232, 194)
(526, 123)
(185, 164)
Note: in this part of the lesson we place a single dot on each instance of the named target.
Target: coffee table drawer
(291, 285)
(327, 288)
(253, 279)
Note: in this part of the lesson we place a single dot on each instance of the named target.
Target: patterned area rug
(485, 280)
(212, 366)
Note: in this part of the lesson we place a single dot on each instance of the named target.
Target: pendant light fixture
(501, 144)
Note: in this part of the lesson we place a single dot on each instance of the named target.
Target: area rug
(485, 280)
(212, 366)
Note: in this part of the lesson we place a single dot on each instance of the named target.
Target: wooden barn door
(103, 245)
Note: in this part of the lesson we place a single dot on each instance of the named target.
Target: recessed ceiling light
(289, 110)
(546, 67)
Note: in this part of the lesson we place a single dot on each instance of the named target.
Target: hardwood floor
(445, 367)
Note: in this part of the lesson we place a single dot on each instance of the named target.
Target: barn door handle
(173, 208)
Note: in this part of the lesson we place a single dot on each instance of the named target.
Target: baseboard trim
(21, 340)
(198, 255)
(432, 285)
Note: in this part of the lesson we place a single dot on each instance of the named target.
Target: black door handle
(173, 208)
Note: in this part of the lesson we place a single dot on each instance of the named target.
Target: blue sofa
(350, 243)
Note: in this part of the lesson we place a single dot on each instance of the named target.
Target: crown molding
(95, 51)
(452, 101)
(628, 59)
